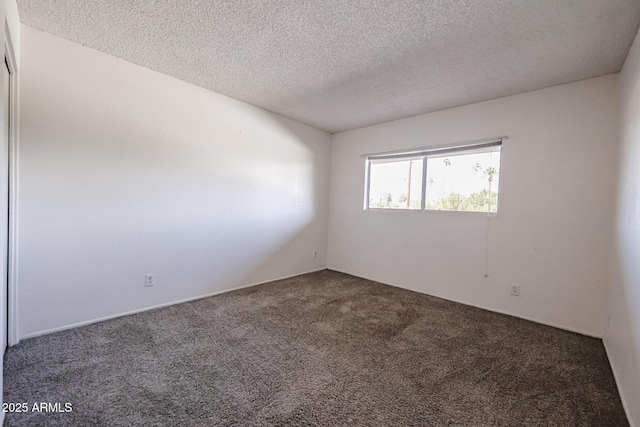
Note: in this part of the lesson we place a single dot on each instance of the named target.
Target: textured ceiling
(340, 65)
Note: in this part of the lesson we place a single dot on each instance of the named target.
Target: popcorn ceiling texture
(340, 65)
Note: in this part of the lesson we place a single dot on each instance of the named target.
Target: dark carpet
(320, 349)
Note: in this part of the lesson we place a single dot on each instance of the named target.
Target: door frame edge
(13, 337)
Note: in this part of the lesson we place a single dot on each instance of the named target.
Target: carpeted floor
(320, 349)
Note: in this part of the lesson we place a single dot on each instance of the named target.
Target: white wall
(125, 171)
(551, 236)
(622, 338)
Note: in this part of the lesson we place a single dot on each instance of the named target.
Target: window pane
(464, 182)
(396, 184)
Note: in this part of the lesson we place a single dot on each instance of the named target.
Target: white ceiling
(340, 65)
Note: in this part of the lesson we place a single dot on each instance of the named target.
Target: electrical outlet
(149, 280)
(515, 291)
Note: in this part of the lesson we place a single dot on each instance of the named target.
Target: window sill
(432, 211)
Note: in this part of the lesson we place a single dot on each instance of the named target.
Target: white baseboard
(153, 307)
(617, 379)
(88, 322)
(542, 322)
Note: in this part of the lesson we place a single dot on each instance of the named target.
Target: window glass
(396, 184)
(463, 182)
(456, 179)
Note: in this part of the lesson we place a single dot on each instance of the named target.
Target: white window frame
(425, 153)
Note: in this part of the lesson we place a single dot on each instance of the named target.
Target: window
(396, 184)
(461, 178)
